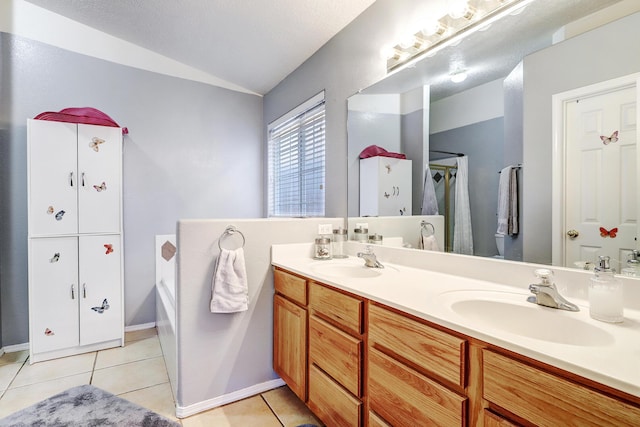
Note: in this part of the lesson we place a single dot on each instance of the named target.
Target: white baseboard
(140, 327)
(15, 347)
(187, 411)
(25, 346)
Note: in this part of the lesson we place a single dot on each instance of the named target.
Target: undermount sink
(352, 269)
(511, 313)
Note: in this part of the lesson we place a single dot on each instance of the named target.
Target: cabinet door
(99, 167)
(100, 289)
(53, 293)
(395, 186)
(53, 178)
(290, 344)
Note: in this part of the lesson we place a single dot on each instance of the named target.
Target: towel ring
(424, 225)
(228, 232)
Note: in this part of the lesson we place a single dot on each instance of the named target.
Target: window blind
(297, 164)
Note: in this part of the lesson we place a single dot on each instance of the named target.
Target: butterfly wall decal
(109, 248)
(50, 210)
(95, 143)
(59, 215)
(102, 308)
(101, 187)
(606, 140)
(48, 332)
(611, 233)
(55, 258)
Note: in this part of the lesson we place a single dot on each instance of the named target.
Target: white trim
(33, 22)
(316, 99)
(14, 348)
(559, 102)
(187, 411)
(140, 327)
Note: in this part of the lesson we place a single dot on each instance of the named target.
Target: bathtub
(166, 303)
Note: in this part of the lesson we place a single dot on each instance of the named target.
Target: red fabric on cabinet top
(86, 115)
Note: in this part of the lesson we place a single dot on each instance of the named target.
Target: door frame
(558, 126)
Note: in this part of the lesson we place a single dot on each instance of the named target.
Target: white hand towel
(508, 202)
(429, 243)
(429, 201)
(230, 291)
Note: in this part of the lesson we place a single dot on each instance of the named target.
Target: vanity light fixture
(464, 17)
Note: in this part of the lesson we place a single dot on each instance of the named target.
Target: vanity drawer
(405, 397)
(293, 287)
(544, 398)
(344, 310)
(494, 420)
(431, 349)
(337, 353)
(376, 421)
(330, 402)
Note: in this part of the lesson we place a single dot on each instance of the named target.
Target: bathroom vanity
(383, 347)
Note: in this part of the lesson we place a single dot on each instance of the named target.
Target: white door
(99, 160)
(100, 299)
(53, 293)
(53, 178)
(601, 204)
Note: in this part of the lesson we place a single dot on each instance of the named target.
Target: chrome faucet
(369, 258)
(547, 294)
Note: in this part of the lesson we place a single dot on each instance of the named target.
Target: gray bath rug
(86, 405)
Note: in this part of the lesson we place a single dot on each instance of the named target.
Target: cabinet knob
(71, 179)
(84, 290)
(73, 292)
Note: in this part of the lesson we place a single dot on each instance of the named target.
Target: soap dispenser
(633, 265)
(605, 293)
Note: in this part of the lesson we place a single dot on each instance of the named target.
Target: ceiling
(254, 44)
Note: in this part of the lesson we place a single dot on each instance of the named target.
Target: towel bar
(230, 231)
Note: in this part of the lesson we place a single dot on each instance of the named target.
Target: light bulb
(458, 76)
(433, 27)
(407, 41)
(460, 9)
(387, 52)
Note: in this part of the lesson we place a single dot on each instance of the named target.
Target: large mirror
(500, 115)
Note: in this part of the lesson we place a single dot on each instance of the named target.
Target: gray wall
(194, 151)
(483, 143)
(347, 63)
(365, 129)
(605, 53)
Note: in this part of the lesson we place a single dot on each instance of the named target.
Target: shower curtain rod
(447, 152)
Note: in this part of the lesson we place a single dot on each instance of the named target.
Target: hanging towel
(462, 233)
(508, 202)
(429, 201)
(230, 291)
(429, 243)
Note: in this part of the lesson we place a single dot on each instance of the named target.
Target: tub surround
(425, 284)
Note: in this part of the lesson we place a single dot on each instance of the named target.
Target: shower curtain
(462, 234)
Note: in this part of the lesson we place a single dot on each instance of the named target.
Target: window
(296, 161)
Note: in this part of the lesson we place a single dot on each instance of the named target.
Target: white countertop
(609, 353)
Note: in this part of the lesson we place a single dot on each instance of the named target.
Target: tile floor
(137, 372)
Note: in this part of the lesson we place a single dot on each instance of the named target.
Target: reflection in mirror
(418, 112)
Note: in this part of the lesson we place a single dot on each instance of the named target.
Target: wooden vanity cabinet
(290, 331)
(335, 356)
(543, 398)
(416, 373)
(360, 363)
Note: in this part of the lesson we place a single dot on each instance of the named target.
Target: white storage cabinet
(385, 186)
(75, 238)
